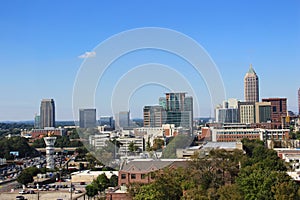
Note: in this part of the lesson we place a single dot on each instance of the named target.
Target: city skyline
(40, 51)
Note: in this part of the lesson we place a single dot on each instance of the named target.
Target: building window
(123, 176)
(143, 176)
(133, 176)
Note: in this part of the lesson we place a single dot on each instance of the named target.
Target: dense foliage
(100, 184)
(18, 144)
(27, 175)
(13, 128)
(258, 174)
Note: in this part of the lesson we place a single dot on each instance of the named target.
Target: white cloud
(88, 54)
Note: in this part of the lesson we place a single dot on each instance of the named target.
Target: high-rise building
(87, 118)
(251, 86)
(47, 113)
(278, 108)
(246, 112)
(154, 116)
(123, 119)
(228, 112)
(107, 121)
(179, 110)
(163, 102)
(37, 121)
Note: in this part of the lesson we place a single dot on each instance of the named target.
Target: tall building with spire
(251, 86)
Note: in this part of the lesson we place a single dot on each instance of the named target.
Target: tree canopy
(258, 174)
(18, 144)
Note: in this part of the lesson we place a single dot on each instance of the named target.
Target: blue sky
(40, 42)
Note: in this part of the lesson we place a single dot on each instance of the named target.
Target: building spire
(251, 70)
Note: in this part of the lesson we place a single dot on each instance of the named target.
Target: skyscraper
(123, 119)
(107, 121)
(37, 121)
(251, 86)
(87, 118)
(47, 113)
(179, 110)
(154, 116)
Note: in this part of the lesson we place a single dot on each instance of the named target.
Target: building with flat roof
(278, 110)
(179, 109)
(262, 112)
(154, 116)
(107, 121)
(88, 176)
(123, 120)
(246, 112)
(237, 134)
(87, 118)
(47, 113)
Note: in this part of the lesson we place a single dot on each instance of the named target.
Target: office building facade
(107, 121)
(179, 110)
(123, 119)
(251, 86)
(87, 118)
(278, 109)
(246, 112)
(37, 121)
(47, 113)
(228, 112)
(262, 112)
(154, 116)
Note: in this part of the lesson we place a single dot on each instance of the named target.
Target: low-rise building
(139, 170)
(38, 133)
(88, 176)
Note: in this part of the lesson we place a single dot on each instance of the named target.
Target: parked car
(23, 192)
(78, 191)
(20, 198)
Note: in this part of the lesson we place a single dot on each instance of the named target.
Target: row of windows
(133, 176)
(238, 136)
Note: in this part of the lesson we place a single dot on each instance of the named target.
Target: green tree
(91, 190)
(18, 144)
(113, 181)
(230, 192)
(157, 144)
(26, 175)
(102, 182)
(167, 186)
(132, 147)
(286, 191)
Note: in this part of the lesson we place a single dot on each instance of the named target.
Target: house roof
(152, 165)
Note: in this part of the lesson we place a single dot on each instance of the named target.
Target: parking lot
(44, 195)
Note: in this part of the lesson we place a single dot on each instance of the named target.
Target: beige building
(247, 112)
(88, 176)
(251, 86)
(262, 112)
